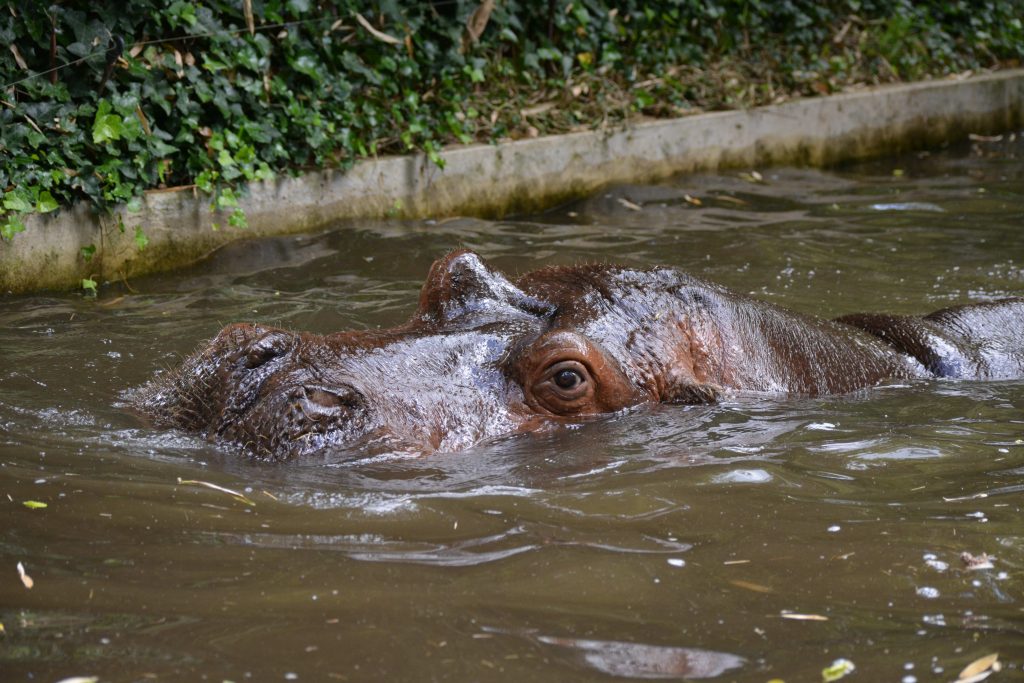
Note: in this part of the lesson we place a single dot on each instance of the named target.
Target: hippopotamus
(485, 356)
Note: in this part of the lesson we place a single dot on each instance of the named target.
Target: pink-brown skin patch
(483, 357)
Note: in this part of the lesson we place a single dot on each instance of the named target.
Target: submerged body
(484, 357)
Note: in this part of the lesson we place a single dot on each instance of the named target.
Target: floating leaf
(837, 670)
(979, 666)
(89, 285)
(34, 505)
(25, 578)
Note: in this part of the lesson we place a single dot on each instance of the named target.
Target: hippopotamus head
(481, 357)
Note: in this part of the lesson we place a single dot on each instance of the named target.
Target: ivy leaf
(238, 220)
(46, 203)
(106, 126)
(263, 172)
(88, 252)
(89, 285)
(226, 199)
(17, 200)
(140, 238)
(308, 64)
(11, 227)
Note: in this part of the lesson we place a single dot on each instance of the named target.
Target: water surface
(664, 543)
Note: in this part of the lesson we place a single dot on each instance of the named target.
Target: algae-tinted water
(665, 543)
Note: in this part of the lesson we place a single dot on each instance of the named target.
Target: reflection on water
(662, 543)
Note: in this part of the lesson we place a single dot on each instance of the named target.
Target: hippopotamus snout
(276, 394)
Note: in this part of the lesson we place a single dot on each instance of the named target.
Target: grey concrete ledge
(489, 180)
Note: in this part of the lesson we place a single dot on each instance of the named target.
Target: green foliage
(195, 99)
(140, 239)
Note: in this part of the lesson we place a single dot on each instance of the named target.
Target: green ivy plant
(198, 98)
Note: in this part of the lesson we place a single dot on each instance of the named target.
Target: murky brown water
(664, 543)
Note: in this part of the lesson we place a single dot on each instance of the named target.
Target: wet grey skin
(484, 357)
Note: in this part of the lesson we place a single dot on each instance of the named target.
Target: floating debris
(752, 177)
(980, 669)
(80, 679)
(731, 200)
(751, 586)
(630, 205)
(692, 200)
(972, 562)
(34, 504)
(837, 670)
(234, 494)
(960, 498)
(909, 206)
(802, 617)
(25, 578)
(932, 560)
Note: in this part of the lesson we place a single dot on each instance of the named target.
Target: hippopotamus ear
(462, 283)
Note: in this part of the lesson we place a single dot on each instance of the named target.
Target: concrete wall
(491, 180)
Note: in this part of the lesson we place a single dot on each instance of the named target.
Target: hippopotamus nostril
(342, 397)
(318, 403)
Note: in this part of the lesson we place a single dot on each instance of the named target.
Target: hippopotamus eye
(564, 374)
(565, 387)
(568, 379)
